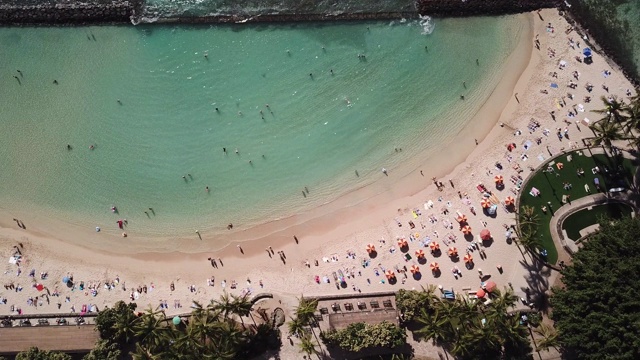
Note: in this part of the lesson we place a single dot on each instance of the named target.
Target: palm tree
(549, 337)
(141, 353)
(431, 326)
(306, 309)
(225, 305)
(296, 327)
(613, 110)
(151, 331)
(308, 346)
(125, 325)
(241, 306)
(605, 132)
(503, 300)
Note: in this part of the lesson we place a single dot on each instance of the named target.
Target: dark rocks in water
(69, 13)
(481, 7)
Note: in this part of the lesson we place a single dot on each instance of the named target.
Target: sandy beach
(334, 236)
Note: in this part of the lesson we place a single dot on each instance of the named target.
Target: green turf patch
(577, 221)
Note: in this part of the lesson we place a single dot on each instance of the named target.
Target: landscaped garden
(567, 178)
(584, 218)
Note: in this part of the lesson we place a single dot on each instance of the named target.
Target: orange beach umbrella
(371, 248)
(390, 274)
(414, 269)
(453, 251)
(485, 203)
(466, 230)
(468, 258)
(509, 201)
(480, 293)
(462, 219)
(420, 253)
(498, 179)
(402, 242)
(434, 246)
(434, 266)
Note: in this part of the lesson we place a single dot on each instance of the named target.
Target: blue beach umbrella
(586, 52)
(65, 280)
(554, 85)
(176, 320)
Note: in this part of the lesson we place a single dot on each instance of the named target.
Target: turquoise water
(317, 132)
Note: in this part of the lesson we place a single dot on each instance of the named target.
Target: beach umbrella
(416, 235)
(434, 246)
(434, 266)
(466, 230)
(485, 203)
(461, 219)
(509, 201)
(489, 286)
(420, 253)
(39, 287)
(468, 258)
(65, 279)
(480, 293)
(390, 274)
(511, 146)
(485, 234)
(402, 242)
(498, 179)
(414, 269)
(453, 251)
(176, 320)
(371, 248)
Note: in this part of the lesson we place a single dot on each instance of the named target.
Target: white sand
(334, 228)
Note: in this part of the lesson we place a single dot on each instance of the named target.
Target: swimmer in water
(206, 189)
(91, 147)
(69, 147)
(237, 152)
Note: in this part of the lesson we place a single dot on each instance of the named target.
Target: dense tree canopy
(37, 354)
(359, 336)
(597, 314)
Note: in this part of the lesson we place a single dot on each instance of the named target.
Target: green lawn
(551, 186)
(587, 217)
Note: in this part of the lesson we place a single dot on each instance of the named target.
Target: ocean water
(319, 130)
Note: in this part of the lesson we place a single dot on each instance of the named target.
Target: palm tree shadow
(537, 278)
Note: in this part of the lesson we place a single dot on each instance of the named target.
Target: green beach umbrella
(176, 320)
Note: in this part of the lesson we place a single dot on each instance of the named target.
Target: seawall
(51, 13)
(57, 12)
(449, 8)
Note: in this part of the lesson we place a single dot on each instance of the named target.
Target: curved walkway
(591, 200)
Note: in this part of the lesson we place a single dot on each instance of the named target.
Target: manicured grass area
(614, 172)
(575, 222)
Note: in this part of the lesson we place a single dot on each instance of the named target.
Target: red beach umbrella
(420, 253)
(461, 219)
(434, 246)
(39, 287)
(371, 248)
(498, 179)
(390, 274)
(414, 269)
(468, 258)
(509, 201)
(485, 203)
(485, 234)
(466, 230)
(453, 251)
(402, 242)
(489, 286)
(434, 266)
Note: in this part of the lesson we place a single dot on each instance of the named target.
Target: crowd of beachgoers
(432, 237)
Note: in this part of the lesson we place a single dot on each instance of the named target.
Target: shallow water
(316, 133)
